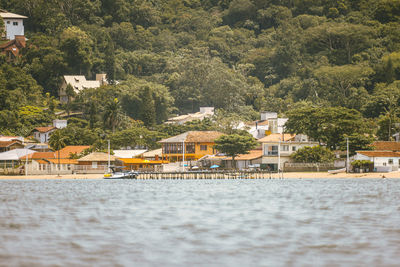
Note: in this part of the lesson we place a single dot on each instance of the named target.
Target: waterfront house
(96, 162)
(48, 162)
(275, 146)
(385, 156)
(128, 153)
(245, 161)
(13, 159)
(196, 144)
(383, 161)
(139, 163)
(79, 83)
(155, 154)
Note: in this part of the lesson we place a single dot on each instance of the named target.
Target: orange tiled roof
(379, 153)
(253, 154)
(386, 145)
(45, 129)
(142, 161)
(68, 150)
(9, 143)
(63, 161)
(276, 137)
(42, 161)
(41, 155)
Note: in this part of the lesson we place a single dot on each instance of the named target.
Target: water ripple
(200, 223)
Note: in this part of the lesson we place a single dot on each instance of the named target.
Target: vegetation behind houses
(171, 57)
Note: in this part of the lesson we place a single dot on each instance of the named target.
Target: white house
(14, 24)
(205, 112)
(78, 83)
(268, 123)
(384, 161)
(42, 134)
(277, 147)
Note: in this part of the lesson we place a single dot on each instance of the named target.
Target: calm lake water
(200, 223)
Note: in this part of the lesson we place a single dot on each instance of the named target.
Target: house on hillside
(14, 32)
(275, 146)
(79, 83)
(191, 145)
(42, 134)
(10, 145)
(269, 123)
(205, 112)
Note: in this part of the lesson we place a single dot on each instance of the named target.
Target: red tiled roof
(379, 153)
(386, 145)
(276, 137)
(45, 129)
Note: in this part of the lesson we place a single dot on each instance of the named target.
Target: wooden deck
(199, 175)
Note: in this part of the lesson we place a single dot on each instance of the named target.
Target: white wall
(12, 30)
(379, 161)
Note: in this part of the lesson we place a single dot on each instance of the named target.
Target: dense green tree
(315, 154)
(327, 125)
(147, 109)
(234, 144)
(112, 114)
(357, 142)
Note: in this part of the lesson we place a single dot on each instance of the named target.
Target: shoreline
(286, 175)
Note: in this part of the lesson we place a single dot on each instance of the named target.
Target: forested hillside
(174, 56)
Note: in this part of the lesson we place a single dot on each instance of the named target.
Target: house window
(294, 148)
(271, 150)
(203, 147)
(390, 161)
(8, 22)
(285, 148)
(15, 23)
(384, 164)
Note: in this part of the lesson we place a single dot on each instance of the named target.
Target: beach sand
(286, 175)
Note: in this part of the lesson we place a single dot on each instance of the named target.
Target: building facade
(189, 146)
(277, 148)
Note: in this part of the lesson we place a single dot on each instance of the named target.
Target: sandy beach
(287, 175)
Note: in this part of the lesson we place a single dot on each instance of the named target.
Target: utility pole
(279, 157)
(108, 141)
(348, 159)
(183, 155)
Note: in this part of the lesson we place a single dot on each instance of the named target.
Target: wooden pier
(200, 175)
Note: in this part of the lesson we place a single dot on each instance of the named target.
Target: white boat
(337, 171)
(121, 174)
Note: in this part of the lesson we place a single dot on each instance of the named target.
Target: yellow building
(197, 144)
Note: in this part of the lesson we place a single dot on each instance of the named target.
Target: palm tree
(112, 114)
(57, 142)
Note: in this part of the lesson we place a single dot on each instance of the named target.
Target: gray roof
(79, 82)
(176, 139)
(15, 154)
(9, 15)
